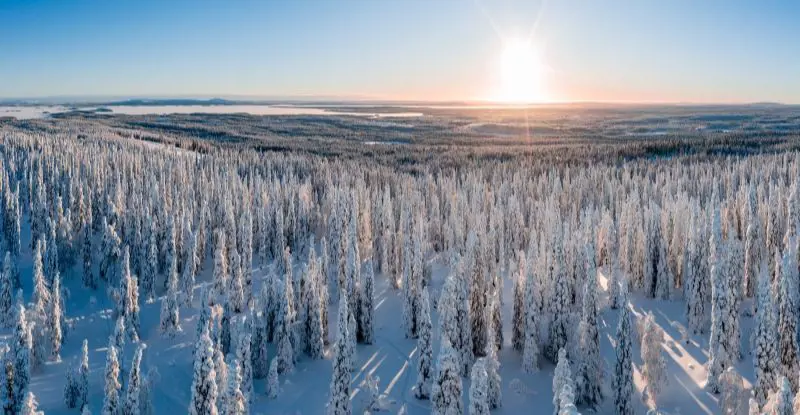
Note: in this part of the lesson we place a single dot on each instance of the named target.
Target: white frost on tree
(654, 367)
(447, 389)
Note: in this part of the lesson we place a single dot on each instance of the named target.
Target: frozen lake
(27, 112)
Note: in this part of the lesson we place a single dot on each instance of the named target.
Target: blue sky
(622, 50)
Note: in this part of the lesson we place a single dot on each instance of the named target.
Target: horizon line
(263, 99)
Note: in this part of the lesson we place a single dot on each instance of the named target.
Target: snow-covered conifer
(765, 349)
(30, 406)
(366, 301)
(134, 385)
(111, 403)
(788, 314)
(447, 389)
(478, 389)
(339, 398)
(244, 357)
(422, 389)
(781, 402)
(733, 400)
(589, 375)
(559, 303)
(150, 263)
(189, 266)
(494, 391)
(235, 401)
(204, 385)
(285, 329)
(719, 343)
(530, 353)
(622, 386)
(6, 294)
(561, 378)
(654, 366)
(273, 387)
(311, 308)
(170, 309)
(518, 320)
(220, 277)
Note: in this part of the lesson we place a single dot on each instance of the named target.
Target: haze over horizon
(448, 50)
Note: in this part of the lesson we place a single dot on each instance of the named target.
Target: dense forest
(573, 261)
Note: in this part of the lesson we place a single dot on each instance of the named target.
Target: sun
(520, 73)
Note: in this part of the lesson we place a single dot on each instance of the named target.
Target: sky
(709, 51)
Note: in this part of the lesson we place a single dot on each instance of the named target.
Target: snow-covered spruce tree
(220, 277)
(496, 310)
(339, 399)
(447, 389)
(55, 322)
(654, 367)
(169, 253)
(6, 294)
(129, 297)
(753, 407)
(353, 270)
(87, 256)
(110, 249)
(561, 378)
(169, 325)
(781, 402)
(311, 308)
(71, 388)
(465, 328)
(204, 384)
(366, 302)
(235, 294)
(589, 375)
(475, 272)
(530, 353)
(719, 343)
(284, 332)
(189, 266)
(765, 350)
(134, 385)
(754, 252)
(83, 377)
(478, 389)
(111, 403)
(273, 386)
(559, 304)
(221, 371)
(244, 357)
(695, 280)
(17, 364)
(259, 344)
(734, 276)
(495, 396)
(235, 401)
(788, 314)
(622, 385)
(422, 389)
(518, 320)
(30, 406)
(150, 263)
(322, 291)
(41, 300)
(613, 269)
(733, 399)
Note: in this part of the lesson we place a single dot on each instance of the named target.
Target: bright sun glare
(521, 73)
